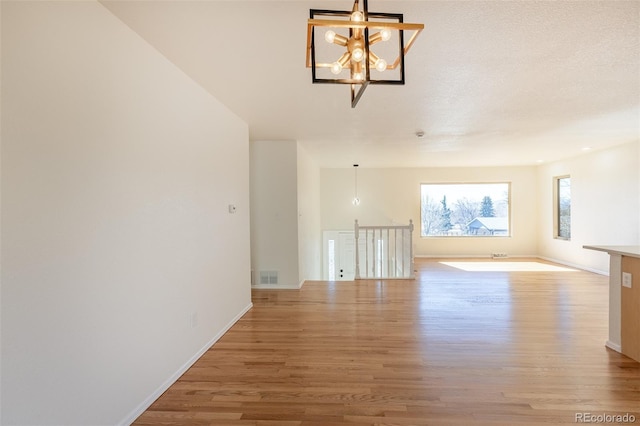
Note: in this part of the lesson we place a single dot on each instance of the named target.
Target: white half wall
(605, 201)
(274, 212)
(392, 196)
(120, 259)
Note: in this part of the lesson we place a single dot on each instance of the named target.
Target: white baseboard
(451, 256)
(613, 346)
(475, 256)
(131, 417)
(573, 265)
(274, 287)
(277, 286)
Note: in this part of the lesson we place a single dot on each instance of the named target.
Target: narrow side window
(562, 207)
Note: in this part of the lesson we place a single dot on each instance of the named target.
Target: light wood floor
(451, 348)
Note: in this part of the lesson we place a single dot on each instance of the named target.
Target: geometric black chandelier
(340, 47)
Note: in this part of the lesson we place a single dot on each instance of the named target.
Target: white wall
(274, 207)
(392, 196)
(120, 261)
(1, 133)
(309, 234)
(605, 200)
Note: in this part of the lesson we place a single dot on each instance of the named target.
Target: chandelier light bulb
(357, 16)
(357, 54)
(336, 68)
(329, 36)
(358, 76)
(381, 65)
(385, 34)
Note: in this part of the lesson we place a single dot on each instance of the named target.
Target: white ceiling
(489, 82)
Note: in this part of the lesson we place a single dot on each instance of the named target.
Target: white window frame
(557, 180)
(464, 233)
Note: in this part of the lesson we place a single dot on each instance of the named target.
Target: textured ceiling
(489, 82)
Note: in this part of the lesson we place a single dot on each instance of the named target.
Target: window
(562, 208)
(465, 209)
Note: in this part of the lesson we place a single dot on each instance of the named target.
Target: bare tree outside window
(465, 210)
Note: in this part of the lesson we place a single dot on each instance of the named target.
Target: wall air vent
(268, 277)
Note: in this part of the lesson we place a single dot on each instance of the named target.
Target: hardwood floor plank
(452, 347)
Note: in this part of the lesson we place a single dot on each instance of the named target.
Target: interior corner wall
(274, 212)
(392, 196)
(605, 201)
(309, 234)
(120, 259)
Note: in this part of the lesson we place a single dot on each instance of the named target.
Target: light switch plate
(626, 279)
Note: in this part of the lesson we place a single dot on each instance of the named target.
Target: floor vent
(268, 277)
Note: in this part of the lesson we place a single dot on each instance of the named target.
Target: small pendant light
(356, 200)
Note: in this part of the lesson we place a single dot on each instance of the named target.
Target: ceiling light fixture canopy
(354, 32)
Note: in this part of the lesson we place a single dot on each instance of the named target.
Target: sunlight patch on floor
(507, 267)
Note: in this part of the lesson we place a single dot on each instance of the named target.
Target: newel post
(357, 254)
(411, 247)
